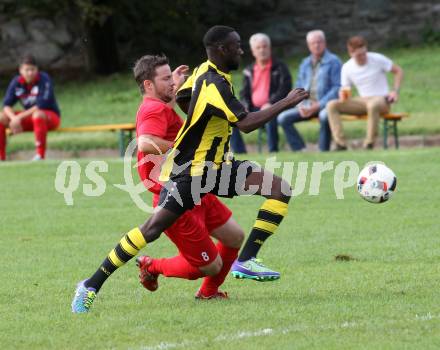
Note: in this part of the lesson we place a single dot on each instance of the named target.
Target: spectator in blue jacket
(40, 113)
(265, 82)
(320, 74)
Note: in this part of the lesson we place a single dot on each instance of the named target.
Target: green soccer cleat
(83, 299)
(253, 269)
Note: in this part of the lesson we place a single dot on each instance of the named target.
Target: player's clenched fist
(179, 75)
(296, 96)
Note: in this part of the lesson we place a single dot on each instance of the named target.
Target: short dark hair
(216, 35)
(145, 68)
(356, 42)
(27, 59)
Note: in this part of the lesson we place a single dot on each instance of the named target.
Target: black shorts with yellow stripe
(183, 192)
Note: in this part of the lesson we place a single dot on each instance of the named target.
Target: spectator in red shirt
(265, 82)
(34, 90)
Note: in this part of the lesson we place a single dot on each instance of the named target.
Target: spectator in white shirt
(367, 71)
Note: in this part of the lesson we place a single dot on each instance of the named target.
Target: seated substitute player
(34, 90)
(157, 125)
(198, 159)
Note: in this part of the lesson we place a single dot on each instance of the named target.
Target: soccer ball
(376, 183)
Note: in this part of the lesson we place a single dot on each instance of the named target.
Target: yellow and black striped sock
(269, 217)
(127, 248)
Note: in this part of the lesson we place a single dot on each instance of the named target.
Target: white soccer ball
(376, 183)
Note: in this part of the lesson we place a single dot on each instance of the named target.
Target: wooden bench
(125, 132)
(389, 118)
(124, 137)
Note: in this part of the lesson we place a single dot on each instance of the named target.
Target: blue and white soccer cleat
(83, 299)
(253, 269)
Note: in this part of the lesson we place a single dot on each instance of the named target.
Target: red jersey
(155, 117)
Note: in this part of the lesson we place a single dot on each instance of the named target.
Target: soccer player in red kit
(157, 125)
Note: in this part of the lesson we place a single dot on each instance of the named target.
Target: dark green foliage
(430, 35)
(176, 27)
(135, 27)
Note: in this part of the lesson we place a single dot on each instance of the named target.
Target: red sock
(211, 283)
(176, 266)
(2, 142)
(40, 131)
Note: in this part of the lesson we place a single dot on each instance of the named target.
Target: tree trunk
(102, 48)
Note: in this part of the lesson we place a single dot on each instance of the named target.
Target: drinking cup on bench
(345, 93)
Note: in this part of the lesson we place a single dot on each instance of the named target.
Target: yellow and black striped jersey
(204, 138)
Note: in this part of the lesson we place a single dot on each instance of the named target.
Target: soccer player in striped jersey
(201, 163)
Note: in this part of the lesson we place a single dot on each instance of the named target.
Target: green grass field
(387, 298)
(115, 99)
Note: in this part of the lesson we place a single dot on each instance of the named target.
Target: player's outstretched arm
(254, 120)
(153, 144)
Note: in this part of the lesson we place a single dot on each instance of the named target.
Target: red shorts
(191, 232)
(52, 119)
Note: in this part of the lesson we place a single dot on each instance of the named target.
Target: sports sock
(269, 217)
(176, 266)
(40, 131)
(2, 142)
(127, 248)
(211, 284)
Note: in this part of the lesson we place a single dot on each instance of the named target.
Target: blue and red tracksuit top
(39, 93)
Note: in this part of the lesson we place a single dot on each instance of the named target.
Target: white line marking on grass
(426, 317)
(219, 338)
(166, 346)
(348, 324)
(267, 332)
(245, 334)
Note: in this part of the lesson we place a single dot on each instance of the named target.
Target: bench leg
(385, 134)
(121, 143)
(260, 140)
(396, 134)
